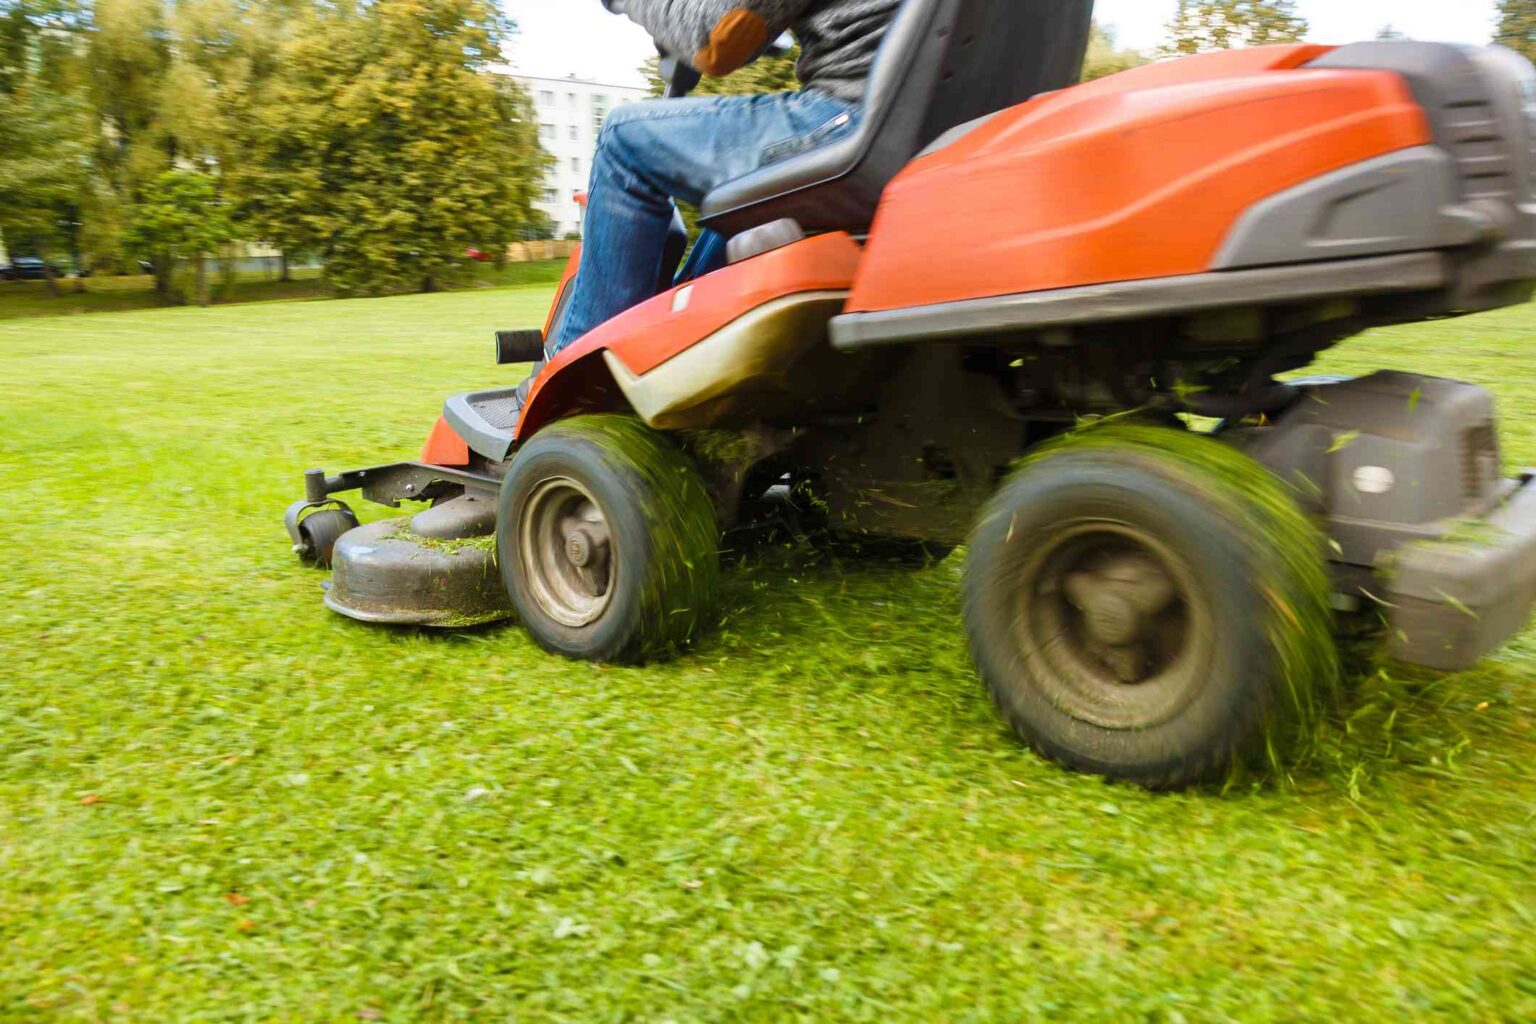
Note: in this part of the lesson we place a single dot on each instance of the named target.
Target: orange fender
(578, 380)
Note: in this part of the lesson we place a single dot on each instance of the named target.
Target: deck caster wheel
(319, 532)
(607, 540)
(1149, 606)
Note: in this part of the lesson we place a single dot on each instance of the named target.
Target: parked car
(28, 268)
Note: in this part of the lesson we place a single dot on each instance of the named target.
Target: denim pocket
(815, 139)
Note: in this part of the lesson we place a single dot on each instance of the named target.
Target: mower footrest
(485, 420)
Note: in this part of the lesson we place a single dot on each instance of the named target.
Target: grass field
(118, 294)
(219, 801)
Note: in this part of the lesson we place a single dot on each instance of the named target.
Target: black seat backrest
(942, 63)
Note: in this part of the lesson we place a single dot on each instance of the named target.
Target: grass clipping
(1288, 556)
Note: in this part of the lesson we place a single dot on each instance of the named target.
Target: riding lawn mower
(1060, 324)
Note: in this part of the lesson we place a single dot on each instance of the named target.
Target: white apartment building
(570, 113)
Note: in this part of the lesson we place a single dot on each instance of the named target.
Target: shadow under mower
(1143, 601)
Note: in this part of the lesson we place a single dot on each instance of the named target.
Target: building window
(547, 132)
(576, 164)
(575, 133)
(570, 98)
(549, 195)
(546, 97)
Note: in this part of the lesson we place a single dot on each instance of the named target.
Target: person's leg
(648, 153)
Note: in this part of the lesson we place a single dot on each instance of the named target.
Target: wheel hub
(1120, 600)
(1113, 624)
(566, 550)
(578, 548)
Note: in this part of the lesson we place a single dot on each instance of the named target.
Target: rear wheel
(1149, 606)
(607, 540)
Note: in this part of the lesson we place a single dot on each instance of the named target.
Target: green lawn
(218, 801)
(20, 299)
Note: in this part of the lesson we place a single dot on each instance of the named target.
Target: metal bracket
(399, 481)
(299, 511)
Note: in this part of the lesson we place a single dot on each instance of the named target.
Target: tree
(181, 214)
(388, 145)
(1517, 26)
(372, 132)
(36, 41)
(1199, 26)
(42, 139)
(288, 135)
(128, 57)
(1105, 59)
(219, 87)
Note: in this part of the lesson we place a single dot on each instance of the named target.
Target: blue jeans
(652, 152)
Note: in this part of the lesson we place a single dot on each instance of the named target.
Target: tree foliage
(1105, 58)
(43, 131)
(1199, 26)
(182, 214)
(388, 147)
(1517, 26)
(35, 41)
(42, 164)
(374, 132)
(127, 56)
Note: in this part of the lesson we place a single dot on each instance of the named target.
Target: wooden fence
(529, 252)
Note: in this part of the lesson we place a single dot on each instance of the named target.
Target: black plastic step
(485, 420)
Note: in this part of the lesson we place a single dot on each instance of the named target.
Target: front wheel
(607, 540)
(1149, 606)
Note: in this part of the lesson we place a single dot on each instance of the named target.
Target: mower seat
(943, 64)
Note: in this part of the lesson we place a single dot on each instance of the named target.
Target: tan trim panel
(750, 356)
